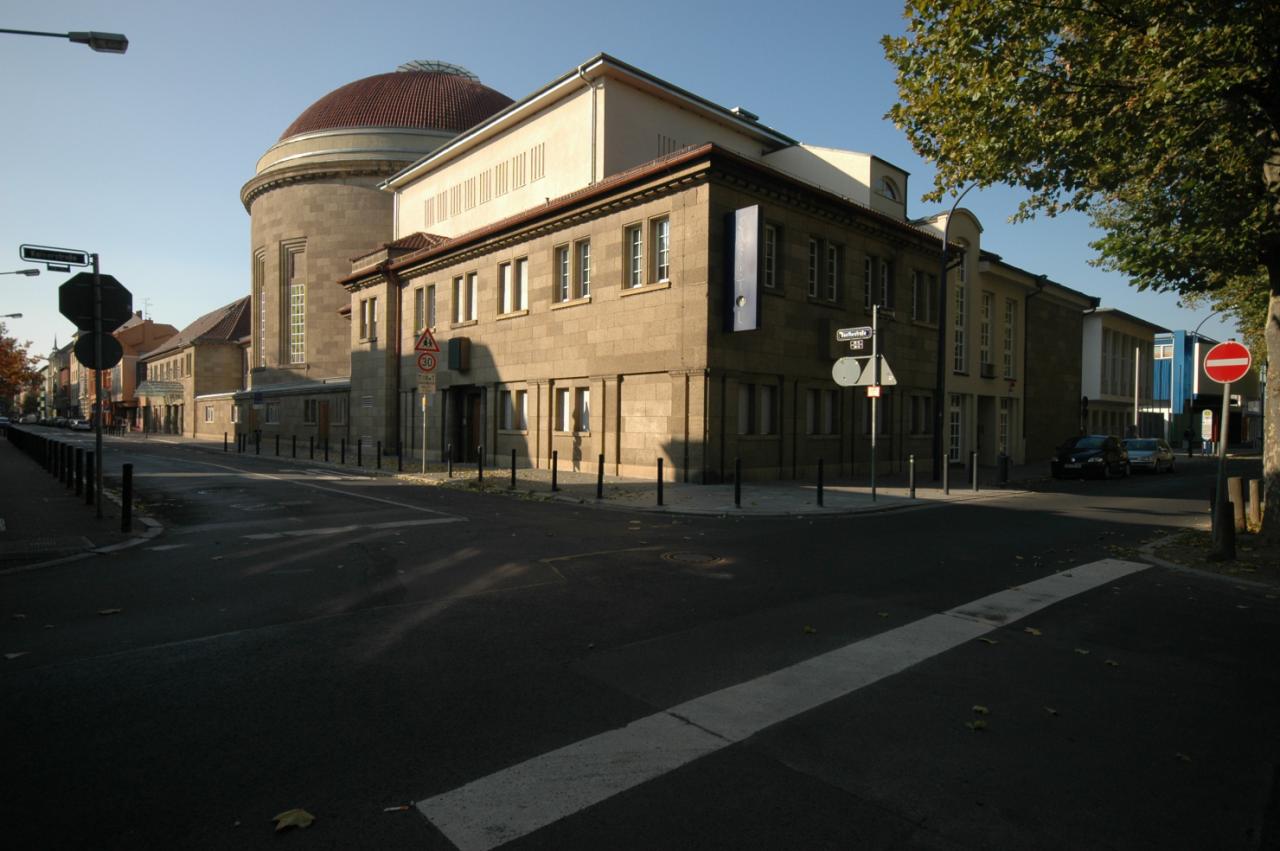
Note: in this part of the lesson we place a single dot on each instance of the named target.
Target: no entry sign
(1227, 362)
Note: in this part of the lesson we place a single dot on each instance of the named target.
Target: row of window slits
(511, 174)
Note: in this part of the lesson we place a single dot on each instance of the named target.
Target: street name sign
(845, 334)
(57, 256)
(75, 301)
(1227, 362)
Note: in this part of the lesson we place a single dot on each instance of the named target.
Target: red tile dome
(425, 95)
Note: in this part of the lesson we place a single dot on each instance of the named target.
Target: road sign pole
(875, 365)
(97, 382)
(1219, 535)
(424, 434)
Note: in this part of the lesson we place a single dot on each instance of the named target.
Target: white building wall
(1091, 357)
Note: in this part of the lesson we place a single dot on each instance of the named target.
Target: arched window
(886, 187)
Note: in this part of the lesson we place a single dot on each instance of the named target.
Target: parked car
(29, 419)
(1149, 453)
(80, 425)
(1100, 455)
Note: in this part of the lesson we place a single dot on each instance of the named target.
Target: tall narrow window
(661, 249)
(564, 414)
(1002, 426)
(814, 260)
(957, 411)
(582, 409)
(746, 409)
(984, 329)
(459, 301)
(1010, 333)
(419, 309)
(521, 288)
(768, 408)
(260, 290)
(868, 267)
(562, 270)
(886, 284)
(584, 268)
(504, 288)
(431, 306)
(833, 273)
(473, 295)
(958, 358)
(635, 255)
(771, 257)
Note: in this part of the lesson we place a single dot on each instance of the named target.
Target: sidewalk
(43, 520)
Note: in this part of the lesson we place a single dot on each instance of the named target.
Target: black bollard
(659, 481)
(359, 451)
(600, 477)
(737, 482)
(819, 482)
(342, 456)
(68, 467)
(513, 469)
(326, 450)
(79, 472)
(293, 450)
(126, 498)
(448, 457)
(257, 443)
(480, 463)
(90, 477)
(224, 441)
(911, 476)
(399, 456)
(555, 469)
(277, 446)
(379, 455)
(973, 467)
(946, 471)
(311, 447)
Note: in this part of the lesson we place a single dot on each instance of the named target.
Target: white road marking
(338, 530)
(516, 801)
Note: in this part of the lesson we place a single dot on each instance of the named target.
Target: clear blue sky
(141, 157)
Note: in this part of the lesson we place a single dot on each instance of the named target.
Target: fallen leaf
(293, 818)
(1051, 710)
(976, 725)
(988, 641)
(1031, 630)
(808, 630)
(1112, 662)
(15, 655)
(981, 710)
(110, 611)
(1082, 651)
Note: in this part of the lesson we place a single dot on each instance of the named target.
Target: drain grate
(695, 559)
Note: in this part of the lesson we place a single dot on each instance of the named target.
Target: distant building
(1187, 400)
(137, 336)
(1117, 356)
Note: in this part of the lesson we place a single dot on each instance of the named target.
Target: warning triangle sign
(426, 343)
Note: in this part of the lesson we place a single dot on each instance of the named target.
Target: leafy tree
(1160, 119)
(17, 366)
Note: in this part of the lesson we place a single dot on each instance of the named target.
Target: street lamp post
(30, 273)
(10, 315)
(940, 389)
(100, 42)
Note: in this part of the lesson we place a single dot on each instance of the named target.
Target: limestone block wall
(1052, 388)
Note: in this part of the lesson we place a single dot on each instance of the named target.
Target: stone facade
(1053, 373)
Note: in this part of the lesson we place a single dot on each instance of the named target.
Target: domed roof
(426, 95)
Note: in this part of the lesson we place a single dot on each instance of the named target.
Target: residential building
(1116, 375)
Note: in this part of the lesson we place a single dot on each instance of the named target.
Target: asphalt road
(548, 675)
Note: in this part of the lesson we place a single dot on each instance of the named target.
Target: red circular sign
(1227, 362)
(426, 362)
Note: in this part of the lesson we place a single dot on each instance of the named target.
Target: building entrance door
(322, 422)
(466, 421)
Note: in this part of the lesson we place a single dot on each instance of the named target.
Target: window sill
(757, 437)
(368, 340)
(513, 431)
(823, 436)
(647, 288)
(466, 323)
(571, 434)
(524, 311)
(822, 302)
(774, 290)
(573, 302)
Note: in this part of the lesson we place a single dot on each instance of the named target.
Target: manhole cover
(696, 559)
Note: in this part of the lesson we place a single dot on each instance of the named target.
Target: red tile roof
(431, 100)
(226, 324)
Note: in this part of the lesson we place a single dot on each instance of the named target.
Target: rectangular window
(959, 361)
(1010, 335)
(984, 329)
(634, 242)
(259, 284)
(272, 413)
(369, 319)
(310, 411)
(431, 306)
(771, 257)
(768, 408)
(924, 297)
(208, 413)
(514, 405)
(582, 409)
(832, 291)
(419, 309)
(187, 368)
(1002, 426)
(814, 259)
(921, 415)
(584, 268)
(235, 413)
(886, 285)
(521, 289)
(660, 230)
(868, 268)
(957, 411)
(338, 411)
(564, 413)
(364, 319)
(473, 295)
(562, 272)
(505, 303)
(459, 301)
(746, 409)
(821, 412)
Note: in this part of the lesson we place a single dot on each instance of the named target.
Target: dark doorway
(466, 421)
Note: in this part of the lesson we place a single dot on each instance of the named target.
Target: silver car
(1150, 453)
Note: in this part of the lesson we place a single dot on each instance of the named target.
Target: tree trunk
(1271, 416)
